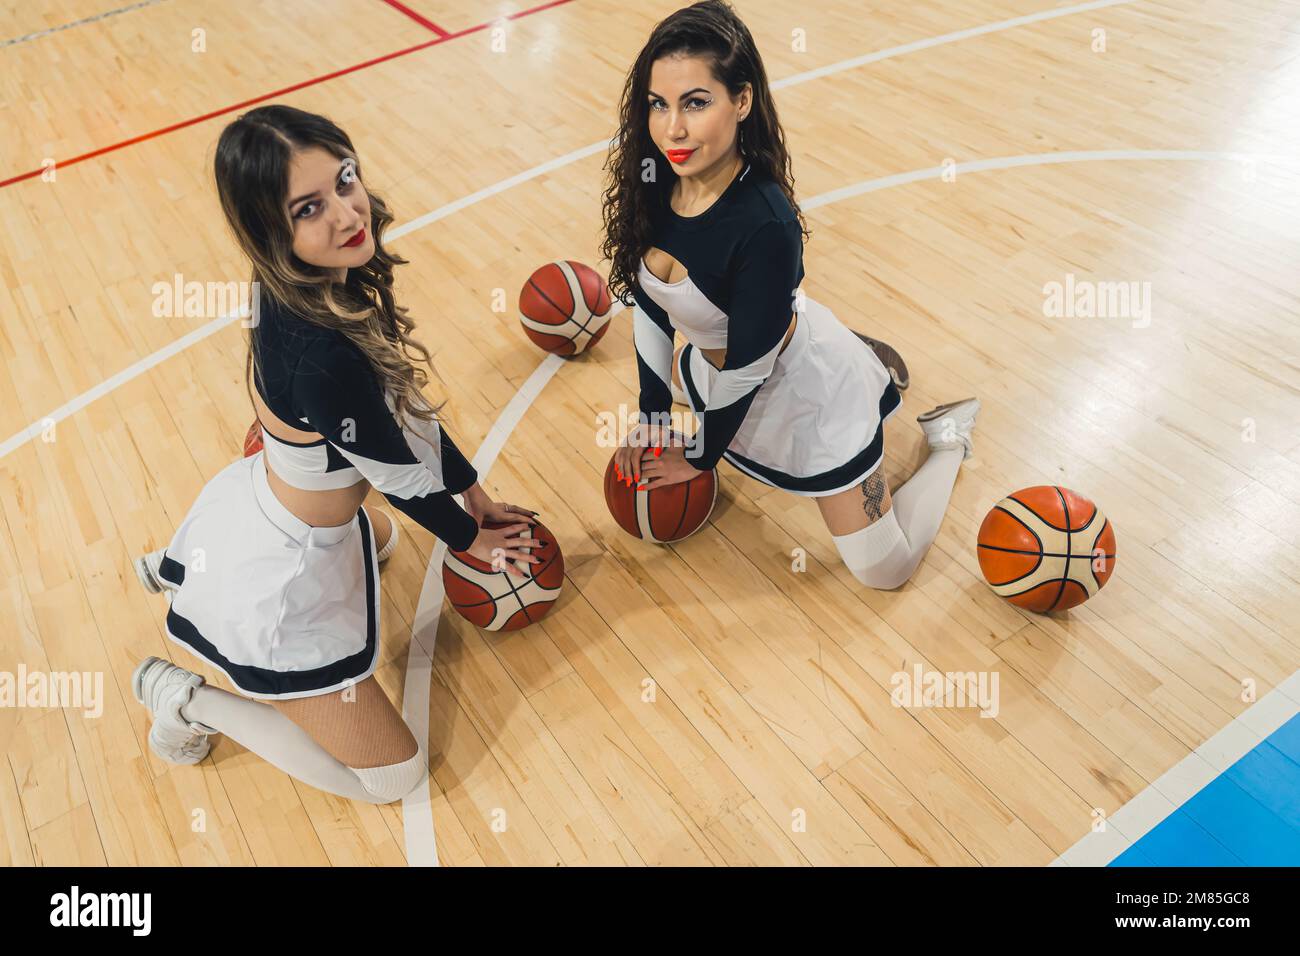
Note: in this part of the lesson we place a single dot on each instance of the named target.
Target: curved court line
(946, 38)
(417, 814)
(138, 368)
(1047, 159)
(421, 849)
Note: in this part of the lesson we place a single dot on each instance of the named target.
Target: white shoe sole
(146, 576)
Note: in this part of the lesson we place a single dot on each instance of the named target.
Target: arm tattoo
(875, 495)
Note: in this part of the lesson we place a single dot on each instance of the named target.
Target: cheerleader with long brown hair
(273, 576)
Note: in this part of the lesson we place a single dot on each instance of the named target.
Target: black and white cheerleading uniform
(285, 609)
(809, 419)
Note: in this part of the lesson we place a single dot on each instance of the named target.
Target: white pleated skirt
(282, 608)
(816, 426)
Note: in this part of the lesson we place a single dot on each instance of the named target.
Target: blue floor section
(1247, 816)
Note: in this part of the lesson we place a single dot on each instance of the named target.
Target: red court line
(427, 24)
(60, 164)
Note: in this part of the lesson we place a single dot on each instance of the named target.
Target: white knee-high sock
(279, 741)
(886, 552)
(922, 500)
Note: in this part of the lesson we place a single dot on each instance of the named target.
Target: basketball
(497, 600)
(564, 307)
(662, 515)
(253, 439)
(1046, 548)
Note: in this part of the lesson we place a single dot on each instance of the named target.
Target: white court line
(415, 702)
(423, 851)
(945, 38)
(417, 818)
(1185, 779)
(22, 437)
(1048, 159)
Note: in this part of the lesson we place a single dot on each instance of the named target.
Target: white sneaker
(950, 425)
(164, 689)
(147, 570)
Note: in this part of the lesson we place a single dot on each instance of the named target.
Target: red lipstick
(680, 156)
(356, 240)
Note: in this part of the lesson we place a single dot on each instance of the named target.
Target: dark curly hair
(712, 30)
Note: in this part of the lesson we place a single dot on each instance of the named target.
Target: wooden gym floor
(770, 738)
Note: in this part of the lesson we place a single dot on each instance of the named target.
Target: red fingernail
(658, 451)
(640, 487)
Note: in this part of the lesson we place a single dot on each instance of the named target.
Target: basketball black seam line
(682, 517)
(1020, 577)
(491, 600)
(1046, 554)
(583, 289)
(522, 607)
(1030, 509)
(582, 326)
(1068, 540)
(1041, 584)
(1018, 520)
(457, 574)
(551, 301)
(547, 563)
(1037, 563)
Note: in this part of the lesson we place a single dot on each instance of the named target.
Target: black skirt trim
(860, 464)
(264, 682)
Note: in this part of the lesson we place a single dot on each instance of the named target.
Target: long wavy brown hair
(252, 172)
(712, 30)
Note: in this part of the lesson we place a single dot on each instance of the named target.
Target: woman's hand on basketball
(482, 508)
(666, 468)
(643, 444)
(505, 548)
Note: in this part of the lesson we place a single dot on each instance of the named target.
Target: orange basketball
(497, 600)
(1046, 548)
(253, 439)
(663, 514)
(564, 307)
